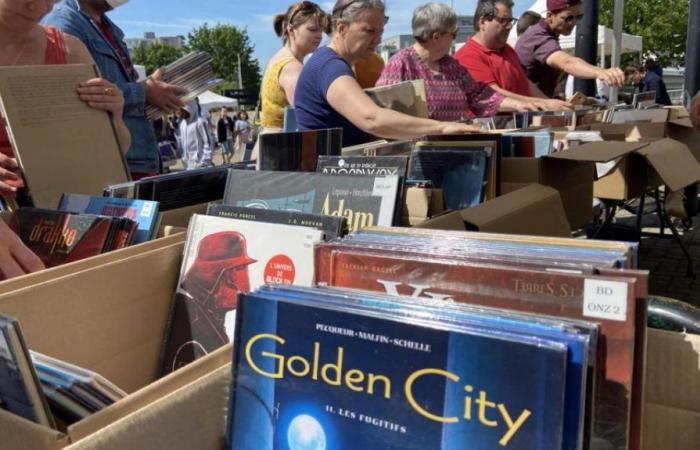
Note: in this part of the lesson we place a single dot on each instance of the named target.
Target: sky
(178, 17)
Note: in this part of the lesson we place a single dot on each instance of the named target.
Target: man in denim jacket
(86, 20)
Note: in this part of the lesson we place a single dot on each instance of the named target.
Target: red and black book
(62, 237)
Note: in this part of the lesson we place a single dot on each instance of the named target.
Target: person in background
(652, 66)
(695, 111)
(645, 80)
(86, 20)
(368, 70)
(489, 59)
(194, 138)
(543, 58)
(23, 42)
(526, 20)
(451, 93)
(224, 134)
(242, 131)
(328, 94)
(301, 29)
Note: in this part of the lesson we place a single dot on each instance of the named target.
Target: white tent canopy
(630, 43)
(210, 100)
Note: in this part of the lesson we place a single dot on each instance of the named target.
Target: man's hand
(15, 258)
(612, 77)
(695, 111)
(8, 172)
(163, 95)
(552, 104)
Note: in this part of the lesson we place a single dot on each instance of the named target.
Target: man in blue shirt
(646, 81)
(86, 20)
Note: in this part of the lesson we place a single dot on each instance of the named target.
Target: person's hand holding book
(15, 258)
(163, 95)
(8, 172)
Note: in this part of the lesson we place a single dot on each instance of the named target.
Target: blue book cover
(576, 335)
(313, 377)
(144, 212)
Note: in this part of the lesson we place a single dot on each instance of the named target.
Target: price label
(605, 300)
(382, 186)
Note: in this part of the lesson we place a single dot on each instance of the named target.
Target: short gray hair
(431, 18)
(348, 10)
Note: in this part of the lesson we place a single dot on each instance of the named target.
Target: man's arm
(543, 103)
(581, 69)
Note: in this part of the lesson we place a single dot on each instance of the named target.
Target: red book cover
(59, 237)
(551, 293)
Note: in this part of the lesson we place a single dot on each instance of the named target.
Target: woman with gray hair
(328, 94)
(452, 94)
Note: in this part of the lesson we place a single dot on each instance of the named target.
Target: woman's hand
(8, 172)
(15, 258)
(459, 128)
(100, 94)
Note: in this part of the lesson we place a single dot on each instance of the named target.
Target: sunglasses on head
(338, 11)
(304, 6)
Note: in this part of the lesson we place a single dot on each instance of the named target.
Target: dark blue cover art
(400, 385)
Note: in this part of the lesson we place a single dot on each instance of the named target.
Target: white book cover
(224, 258)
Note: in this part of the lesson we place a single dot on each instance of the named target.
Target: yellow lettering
(338, 368)
(513, 427)
(408, 390)
(298, 373)
(352, 378)
(280, 371)
(373, 379)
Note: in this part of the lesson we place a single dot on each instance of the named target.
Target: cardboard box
(533, 210)
(630, 132)
(421, 204)
(572, 178)
(111, 318)
(180, 217)
(640, 165)
(672, 397)
(683, 130)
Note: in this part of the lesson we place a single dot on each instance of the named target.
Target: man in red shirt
(489, 59)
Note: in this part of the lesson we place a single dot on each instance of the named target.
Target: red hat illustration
(217, 252)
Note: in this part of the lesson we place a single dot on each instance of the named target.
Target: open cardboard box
(672, 397)
(421, 204)
(640, 166)
(111, 318)
(534, 210)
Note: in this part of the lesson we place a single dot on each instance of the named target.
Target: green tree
(225, 43)
(155, 55)
(663, 24)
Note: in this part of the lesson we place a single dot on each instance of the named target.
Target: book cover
(144, 212)
(61, 237)
(224, 258)
(307, 375)
(364, 200)
(363, 165)
(332, 226)
(298, 151)
(551, 293)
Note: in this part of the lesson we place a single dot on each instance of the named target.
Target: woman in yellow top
(301, 30)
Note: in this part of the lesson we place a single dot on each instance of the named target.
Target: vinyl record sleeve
(298, 151)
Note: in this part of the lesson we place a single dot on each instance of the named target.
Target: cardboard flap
(673, 370)
(670, 428)
(534, 209)
(598, 151)
(451, 220)
(17, 433)
(673, 161)
(630, 132)
(193, 417)
(159, 389)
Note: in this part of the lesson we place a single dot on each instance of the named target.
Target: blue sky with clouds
(178, 17)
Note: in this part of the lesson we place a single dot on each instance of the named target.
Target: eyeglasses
(572, 18)
(505, 21)
(338, 11)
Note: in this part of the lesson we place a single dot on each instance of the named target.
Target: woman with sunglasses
(451, 93)
(301, 29)
(543, 58)
(328, 94)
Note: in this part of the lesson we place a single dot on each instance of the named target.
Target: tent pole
(617, 42)
(692, 50)
(587, 43)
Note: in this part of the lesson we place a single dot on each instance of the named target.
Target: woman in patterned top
(452, 94)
